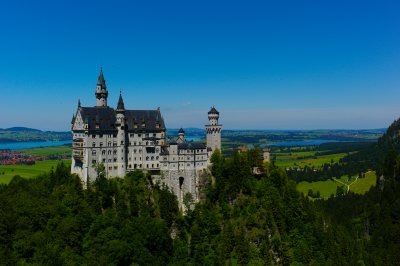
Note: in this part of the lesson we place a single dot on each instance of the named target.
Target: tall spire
(120, 106)
(101, 81)
(79, 103)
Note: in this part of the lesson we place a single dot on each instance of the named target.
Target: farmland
(7, 172)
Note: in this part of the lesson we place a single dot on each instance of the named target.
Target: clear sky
(263, 64)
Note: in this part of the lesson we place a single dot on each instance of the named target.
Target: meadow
(49, 151)
(306, 158)
(7, 172)
(328, 187)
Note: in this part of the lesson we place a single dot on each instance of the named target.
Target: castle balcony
(78, 154)
(77, 144)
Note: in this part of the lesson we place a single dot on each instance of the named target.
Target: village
(13, 157)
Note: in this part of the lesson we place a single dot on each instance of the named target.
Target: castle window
(122, 142)
(115, 160)
(103, 152)
(154, 134)
(115, 143)
(94, 144)
(115, 167)
(152, 158)
(152, 165)
(101, 144)
(115, 135)
(110, 168)
(101, 136)
(134, 150)
(104, 160)
(109, 160)
(109, 144)
(93, 136)
(93, 152)
(157, 158)
(139, 135)
(147, 158)
(115, 152)
(109, 152)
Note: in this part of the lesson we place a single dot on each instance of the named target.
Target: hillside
(372, 156)
(23, 134)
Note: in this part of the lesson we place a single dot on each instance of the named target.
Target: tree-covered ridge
(245, 219)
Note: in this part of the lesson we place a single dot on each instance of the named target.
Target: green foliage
(244, 220)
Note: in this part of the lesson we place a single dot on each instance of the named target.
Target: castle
(128, 140)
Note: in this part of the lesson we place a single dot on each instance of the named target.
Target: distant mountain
(25, 134)
(21, 129)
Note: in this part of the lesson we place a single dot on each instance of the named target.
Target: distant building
(127, 140)
(266, 155)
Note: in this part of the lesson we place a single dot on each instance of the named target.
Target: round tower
(101, 91)
(213, 130)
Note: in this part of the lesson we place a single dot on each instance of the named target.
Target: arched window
(109, 152)
(181, 180)
(103, 152)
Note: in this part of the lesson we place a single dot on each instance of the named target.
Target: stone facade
(127, 140)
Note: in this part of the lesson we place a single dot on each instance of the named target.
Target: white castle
(128, 140)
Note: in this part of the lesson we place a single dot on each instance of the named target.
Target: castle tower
(213, 130)
(122, 137)
(181, 136)
(101, 91)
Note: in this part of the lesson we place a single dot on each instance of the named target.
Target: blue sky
(263, 64)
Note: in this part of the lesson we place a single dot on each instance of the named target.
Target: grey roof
(105, 118)
(191, 146)
(213, 111)
(181, 131)
(150, 118)
(73, 119)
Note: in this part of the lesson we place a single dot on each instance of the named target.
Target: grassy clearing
(328, 187)
(325, 188)
(27, 171)
(301, 159)
(47, 151)
(362, 185)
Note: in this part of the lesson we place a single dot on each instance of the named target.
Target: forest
(243, 219)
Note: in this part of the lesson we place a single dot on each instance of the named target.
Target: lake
(29, 145)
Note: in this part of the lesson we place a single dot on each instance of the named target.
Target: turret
(101, 91)
(213, 130)
(181, 136)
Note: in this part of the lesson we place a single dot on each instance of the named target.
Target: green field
(325, 188)
(328, 187)
(362, 185)
(47, 151)
(27, 171)
(303, 158)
